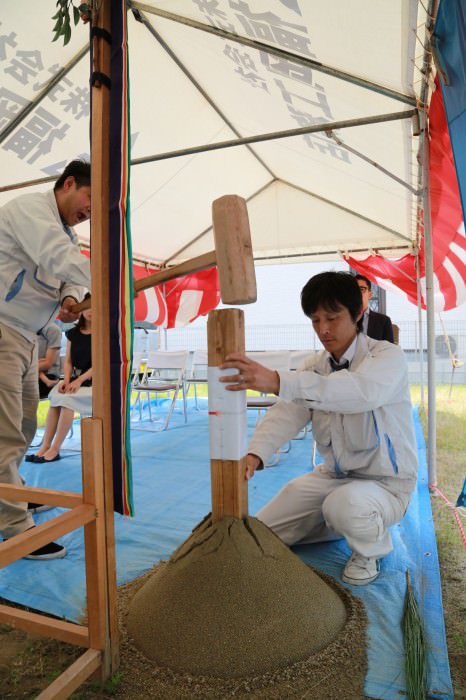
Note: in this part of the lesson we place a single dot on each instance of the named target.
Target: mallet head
(235, 261)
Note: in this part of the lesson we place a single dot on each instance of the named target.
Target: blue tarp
(172, 494)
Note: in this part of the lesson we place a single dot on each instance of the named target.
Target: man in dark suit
(374, 324)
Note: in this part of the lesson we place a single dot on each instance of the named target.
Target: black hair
(331, 291)
(81, 320)
(80, 170)
(364, 279)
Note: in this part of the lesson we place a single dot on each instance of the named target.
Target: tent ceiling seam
(209, 228)
(294, 58)
(143, 20)
(374, 164)
(348, 251)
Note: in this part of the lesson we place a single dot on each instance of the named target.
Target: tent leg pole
(420, 338)
(428, 252)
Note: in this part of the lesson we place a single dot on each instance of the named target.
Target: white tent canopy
(207, 74)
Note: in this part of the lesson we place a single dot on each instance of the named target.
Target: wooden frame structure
(93, 509)
(86, 510)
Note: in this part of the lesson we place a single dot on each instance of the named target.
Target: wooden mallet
(232, 255)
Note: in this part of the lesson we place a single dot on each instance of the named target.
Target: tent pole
(274, 135)
(428, 253)
(420, 339)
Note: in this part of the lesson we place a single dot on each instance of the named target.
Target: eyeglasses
(363, 289)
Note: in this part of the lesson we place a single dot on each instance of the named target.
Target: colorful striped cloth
(120, 262)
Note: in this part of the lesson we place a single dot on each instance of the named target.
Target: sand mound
(234, 602)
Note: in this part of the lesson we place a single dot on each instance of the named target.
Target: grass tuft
(415, 647)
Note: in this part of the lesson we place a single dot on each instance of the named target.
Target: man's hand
(65, 314)
(251, 375)
(253, 462)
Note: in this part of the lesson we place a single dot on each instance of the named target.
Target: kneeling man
(356, 394)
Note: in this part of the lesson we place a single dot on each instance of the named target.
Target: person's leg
(63, 428)
(361, 512)
(51, 423)
(295, 513)
(18, 368)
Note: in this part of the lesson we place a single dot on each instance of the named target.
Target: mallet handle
(201, 262)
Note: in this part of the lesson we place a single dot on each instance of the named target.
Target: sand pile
(234, 602)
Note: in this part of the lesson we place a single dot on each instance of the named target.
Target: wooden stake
(94, 532)
(225, 334)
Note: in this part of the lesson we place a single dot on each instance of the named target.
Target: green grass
(451, 472)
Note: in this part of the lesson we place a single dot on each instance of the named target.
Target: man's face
(74, 203)
(365, 293)
(336, 329)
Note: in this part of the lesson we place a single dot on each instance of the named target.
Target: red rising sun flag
(448, 233)
(177, 302)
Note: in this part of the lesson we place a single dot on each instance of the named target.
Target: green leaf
(66, 33)
(58, 25)
(76, 15)
(57, 14)
(84, 8)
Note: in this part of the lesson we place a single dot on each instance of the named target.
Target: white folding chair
(297, 358)
(278, 360)
(273, 359)
(164, 374)
(136, 378)
(198, 372)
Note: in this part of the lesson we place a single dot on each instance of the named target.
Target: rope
(455, 511)
(453, 359)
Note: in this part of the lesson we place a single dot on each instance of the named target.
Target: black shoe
(43, 460)
(47, 552)
(38, 507)
(30, 458)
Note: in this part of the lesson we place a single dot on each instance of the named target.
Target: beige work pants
(19, 396)
(316, 508)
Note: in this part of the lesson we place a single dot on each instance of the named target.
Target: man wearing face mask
(42, 274)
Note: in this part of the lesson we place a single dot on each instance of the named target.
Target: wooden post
(225, 334)
(101, 397)
(94, 532)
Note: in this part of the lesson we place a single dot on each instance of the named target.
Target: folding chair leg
(184, 405)
(171, 410)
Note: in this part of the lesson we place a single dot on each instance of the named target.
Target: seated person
(74, 393)
(362, 424)
(48, 349)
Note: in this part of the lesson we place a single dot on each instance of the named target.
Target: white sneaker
(359, 570)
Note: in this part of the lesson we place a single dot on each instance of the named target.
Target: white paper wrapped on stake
(228, 425)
